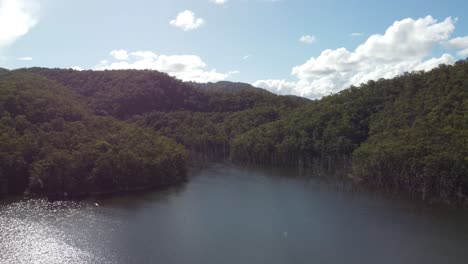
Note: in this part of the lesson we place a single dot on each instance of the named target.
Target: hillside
(203, 117)
(125, 93)
(407, 134)
(51, 144)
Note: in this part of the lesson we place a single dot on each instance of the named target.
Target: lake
(234, 214)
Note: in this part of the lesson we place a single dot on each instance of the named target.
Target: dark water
(227, 214)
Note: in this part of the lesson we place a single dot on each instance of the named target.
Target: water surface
(231, 214)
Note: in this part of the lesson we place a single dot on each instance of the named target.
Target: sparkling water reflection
(229, 214)
(37, 231)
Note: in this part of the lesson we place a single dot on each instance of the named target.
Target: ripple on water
(38, 231)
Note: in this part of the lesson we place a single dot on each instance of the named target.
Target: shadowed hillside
(51, 144)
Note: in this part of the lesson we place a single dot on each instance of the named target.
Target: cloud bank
(184, 67)
(407, 45)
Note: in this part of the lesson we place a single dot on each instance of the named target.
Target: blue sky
(254, 41)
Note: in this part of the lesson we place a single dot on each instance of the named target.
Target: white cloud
(186, 20)
(461, 44)
(282, 87)
(434, 62)
(184, 67)
(246, 57)
(405, 46)
(458, 43)
(356, 34)
(17, 17)
(219, 2)
(77, 68)
(307, 39)
(463, 53)
(407, 38)
(25, 58)
(119, 54)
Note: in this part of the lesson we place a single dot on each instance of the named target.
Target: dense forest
(125, 93)
(51, 144)
(202, 117)
(89, 131)
(406, 134)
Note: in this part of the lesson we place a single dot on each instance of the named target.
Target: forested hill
(224, 85)
(51, 144)
(408, 134)
(203, 119)
(62, 126)
(228, 88)
(125, 93)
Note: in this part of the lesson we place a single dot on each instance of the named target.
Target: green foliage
(51, 144)
(408, 134)
(208, 133)
(125, 93)
(420, 142)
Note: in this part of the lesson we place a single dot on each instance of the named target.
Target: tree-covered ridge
(226, 86)
(420, 142)
(202, 117)
(125, 93)
(409, 133)
(52, 144)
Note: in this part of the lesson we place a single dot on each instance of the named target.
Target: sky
(308, 48)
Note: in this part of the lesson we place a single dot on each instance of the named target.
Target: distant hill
(225, 85)
(239, 86)
(124, 93)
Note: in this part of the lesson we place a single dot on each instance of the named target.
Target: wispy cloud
(460, 43)
(25, 58)
(219, 2)
(308, 39)
(356, 34)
